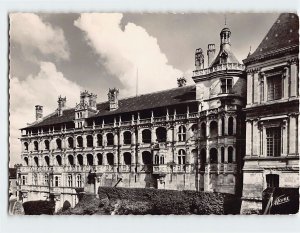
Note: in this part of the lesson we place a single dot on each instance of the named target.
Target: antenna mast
(137, 81)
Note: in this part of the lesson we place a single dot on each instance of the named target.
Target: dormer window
(226, 85)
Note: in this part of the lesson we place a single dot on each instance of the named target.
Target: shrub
(39, 207)
(66, 206)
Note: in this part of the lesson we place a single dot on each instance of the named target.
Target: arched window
(230, 154)
(79, 142)
(202, 159)
(147, 157)
(194, 129)
(230, 126)
(47, 161)
(70, 142)
(89, 141)
(26, 146)
(36, 145)
(110, 139)
(222, 155)
(213, 128)
(26, 161)
(80, 160)
(181, 156)
(110, 159)
(90, 159)
(100, 159)
(203, 130)
(99, 140)
(162, 159)
(78, 181)
(58, 160)
(182, 133)
(70, 180)
(71, 160)
(213, 155)
(223, 126)
(146, 136)
(58, 144)
(127, 158)
(156, 159)
(127, 138)
(161, 134)
(46, 145)
(36, 161)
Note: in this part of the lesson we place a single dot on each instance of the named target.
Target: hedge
(39, 207)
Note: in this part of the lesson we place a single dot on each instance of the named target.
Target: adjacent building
(186, 138)
(272, 113)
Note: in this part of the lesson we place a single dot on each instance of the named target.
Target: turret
(225, 38)
(113, 99)
(38, 112)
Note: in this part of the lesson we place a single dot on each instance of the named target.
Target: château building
(185, 138)
(272, 113)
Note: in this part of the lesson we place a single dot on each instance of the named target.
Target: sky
(63, 54)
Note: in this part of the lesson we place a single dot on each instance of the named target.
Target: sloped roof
(141, 102)
(283, 34)
(230, 57)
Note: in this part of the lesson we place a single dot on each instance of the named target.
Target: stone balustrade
(220, 67)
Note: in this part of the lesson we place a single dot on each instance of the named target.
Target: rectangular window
(23, 180)
(69, 180)
(226, 85)
(272, 180)
(274, 87)
(273, 141)
(46, 179)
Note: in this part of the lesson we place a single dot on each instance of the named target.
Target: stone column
(249, 88)
(286, 82)
(292, 135)
(139, 136)
(255, 138)
(207, 129)
(133, 142)
(169, 134)
(248, 138)
(175, 133)
(226, 125)
(285, 137)
(104, 139)
(133, 157)
(84, 156)
(256, 89)
(115, 139)
(234, 125)
(265, 87)
(264, 141)
(121, 141)
(153, 135)
(234, 154)
(95, 144)
(225, 154)
(294, 79)
(84, 141)
(220, 126)
(104, 159)
(219, 155)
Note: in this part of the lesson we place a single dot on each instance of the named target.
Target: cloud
(42, 89)
(33, 35)
(125, 51)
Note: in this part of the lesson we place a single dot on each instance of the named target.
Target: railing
(160, 168)
(220, 67)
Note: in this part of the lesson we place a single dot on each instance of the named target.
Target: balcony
(125, 168)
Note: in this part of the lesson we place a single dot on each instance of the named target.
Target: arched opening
(230, 126)
(110, 139)
(162, 159)
(181, 156)
(110, 159)
(127, 138)
(47, 161)
(36, 145)
(202, 159)
(182, 133)
(146, 136)
(230, 154)
(46, 144)
(213, 155)
(26, 146)
(70, 142)
(147, 158)
(90, 159)
(36, 161)
(223, 126)
(80, 160)
(58, 160)
(58, 144)
(194, 129)
(26, 161)
(222, 155)
(195, 155)
(71, 160)
(272, 180)
(79, 142)
(213, 128)
(127, 158)
(203, 130)
(99, 140)
(156, 159)
(99, 159)
(161, 134)
(89, 141)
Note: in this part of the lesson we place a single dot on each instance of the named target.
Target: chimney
(84, 97)
(210, 53)
(113, 99)
(38, 112)
(199, 59)
(181, 82)
(92, 101)
(61, 105)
